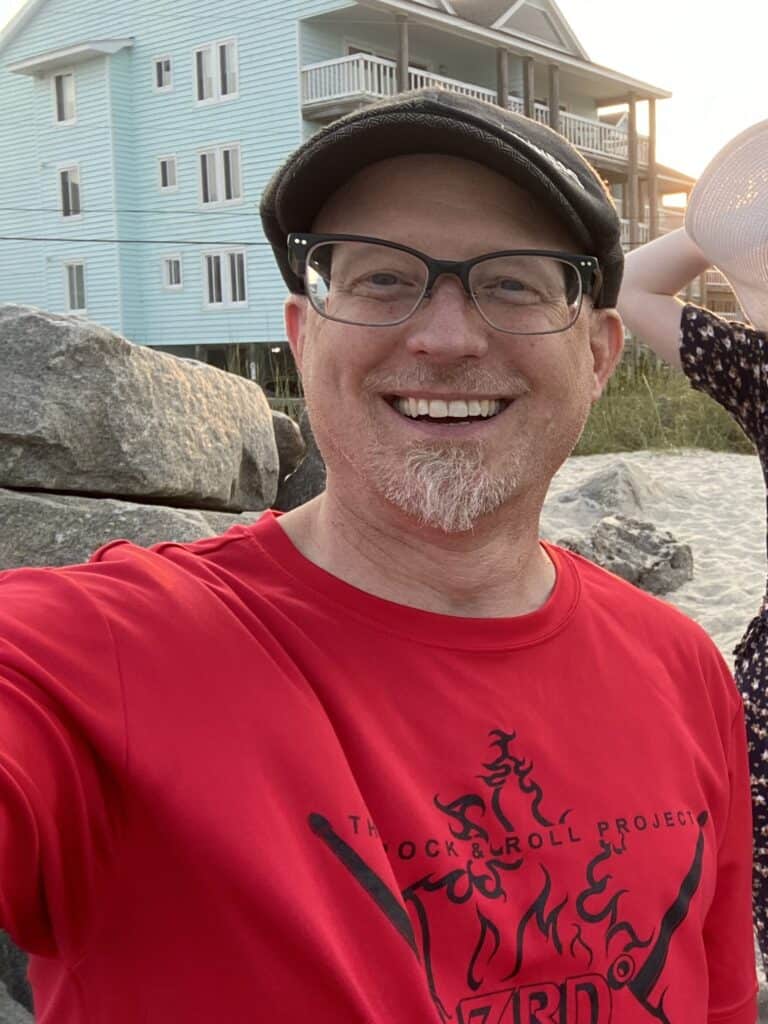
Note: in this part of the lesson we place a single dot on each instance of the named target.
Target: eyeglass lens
(376, 285)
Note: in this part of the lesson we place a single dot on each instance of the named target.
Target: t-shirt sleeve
(728, 932)
(61, 739)
(729, 362)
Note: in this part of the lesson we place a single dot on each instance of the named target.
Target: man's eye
(383, 279)
(510, 284)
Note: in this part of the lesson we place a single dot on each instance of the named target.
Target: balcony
(335, 87)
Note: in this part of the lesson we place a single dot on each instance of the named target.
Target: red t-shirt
(234, 788)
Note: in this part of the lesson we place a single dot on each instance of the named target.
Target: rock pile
(610, 527)
(100, 439)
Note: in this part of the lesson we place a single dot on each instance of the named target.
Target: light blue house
(137, 138)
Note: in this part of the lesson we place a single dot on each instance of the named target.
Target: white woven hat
(727, 217)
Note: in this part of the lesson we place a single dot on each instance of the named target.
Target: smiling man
(389, 757)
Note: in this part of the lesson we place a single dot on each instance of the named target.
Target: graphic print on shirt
(510, 904)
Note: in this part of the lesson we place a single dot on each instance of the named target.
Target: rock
(291, 446)
(53, 529)
(308, 479)
(12, 1012)
(82, 410)
(638, 552)
(13, 973)
(620, 489)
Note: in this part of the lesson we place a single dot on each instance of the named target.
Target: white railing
(423, 79)
(715, 277)
(359, 74)
(363, 76)
(643, 232)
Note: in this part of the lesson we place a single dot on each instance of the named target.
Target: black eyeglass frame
(301, 244)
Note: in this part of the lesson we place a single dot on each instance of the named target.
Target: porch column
(554, 97)
(529, 87)
(502, 77)
(403, 56)
(632, 182)
(653, 175)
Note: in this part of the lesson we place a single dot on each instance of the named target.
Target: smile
(454, 409)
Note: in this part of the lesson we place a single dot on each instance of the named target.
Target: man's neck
(497, 569)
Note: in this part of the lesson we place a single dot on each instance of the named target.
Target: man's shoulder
(122, 576)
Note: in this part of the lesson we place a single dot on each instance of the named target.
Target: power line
(128, 241)
(117, 209)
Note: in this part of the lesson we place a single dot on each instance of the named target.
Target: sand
(713, 501)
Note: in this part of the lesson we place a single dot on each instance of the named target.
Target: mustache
(466, 379)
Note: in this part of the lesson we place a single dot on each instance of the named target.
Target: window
(69, 181)
(167, 165)
(225, 278)
(228, 68)
(64, 92)
(230, 159)
(220, 176)
(163, 74)
(75, 287)
(172, 279)
(204, 74)
(217, 74)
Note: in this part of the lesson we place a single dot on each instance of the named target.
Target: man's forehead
(443, 188)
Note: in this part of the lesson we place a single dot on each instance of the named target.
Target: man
(387, 757)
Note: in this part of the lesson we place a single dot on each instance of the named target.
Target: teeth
(438, 408)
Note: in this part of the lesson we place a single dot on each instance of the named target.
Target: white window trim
(218, 150)
(72, 120)
(167, 188)
(163, 261)
(66, 265)
(226, 284)
(213, 48)
(155, 61)
(59, 171)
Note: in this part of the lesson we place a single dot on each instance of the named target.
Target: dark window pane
(200, 57)
(65, 206)
(60, 113)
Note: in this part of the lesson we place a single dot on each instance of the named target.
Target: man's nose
(447, 326)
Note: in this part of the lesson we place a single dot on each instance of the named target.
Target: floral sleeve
(728, 361)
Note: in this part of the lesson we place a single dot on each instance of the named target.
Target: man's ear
(295, 314)
(607, 344)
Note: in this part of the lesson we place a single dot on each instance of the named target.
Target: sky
(710, 54)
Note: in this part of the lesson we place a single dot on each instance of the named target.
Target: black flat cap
(529, 154)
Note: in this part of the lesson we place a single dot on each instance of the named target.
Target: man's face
(364, 384)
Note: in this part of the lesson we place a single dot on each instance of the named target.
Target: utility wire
(128, 241)
(116, 209)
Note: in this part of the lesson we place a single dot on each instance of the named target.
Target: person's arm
(61, 709)
(653, 275)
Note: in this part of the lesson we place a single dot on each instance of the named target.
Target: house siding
(123, 126)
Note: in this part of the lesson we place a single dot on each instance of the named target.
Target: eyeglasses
(370, 282)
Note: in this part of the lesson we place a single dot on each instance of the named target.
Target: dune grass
(648, 405)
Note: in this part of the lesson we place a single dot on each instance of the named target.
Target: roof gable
(539, 21)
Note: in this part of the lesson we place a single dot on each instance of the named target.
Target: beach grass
(649, 405)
